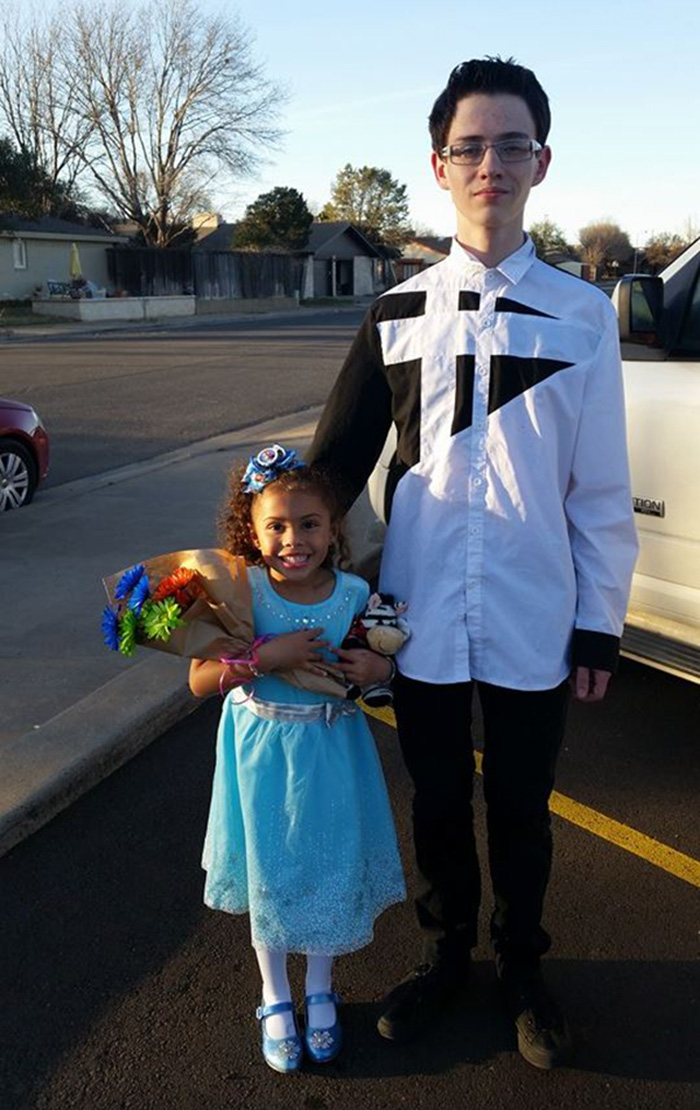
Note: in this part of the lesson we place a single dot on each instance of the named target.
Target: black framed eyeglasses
(508, 150)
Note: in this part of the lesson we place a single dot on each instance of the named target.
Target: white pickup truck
(660, 335)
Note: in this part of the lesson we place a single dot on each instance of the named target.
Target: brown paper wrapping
(221, 623)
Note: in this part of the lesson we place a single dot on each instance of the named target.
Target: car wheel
(18, 476)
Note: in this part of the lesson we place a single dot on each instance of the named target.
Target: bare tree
(690, 229)
(147, 103)
(172, 97)
(420, 230)
(604, 242)
(661, 249)
(37, 98)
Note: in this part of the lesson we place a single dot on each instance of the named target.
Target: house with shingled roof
(420, 252)
(343, 262)
(34, 252)
(339, 260)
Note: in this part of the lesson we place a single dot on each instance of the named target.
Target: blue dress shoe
(322, 1045)
(283, 1054)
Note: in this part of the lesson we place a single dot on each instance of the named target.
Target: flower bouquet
(195, 604)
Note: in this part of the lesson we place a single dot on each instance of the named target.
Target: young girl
(300, 831)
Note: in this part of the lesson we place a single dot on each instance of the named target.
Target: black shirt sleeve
(357, 416)
(597, 650)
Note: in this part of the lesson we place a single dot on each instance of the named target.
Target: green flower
(127, 632)
(159, 619)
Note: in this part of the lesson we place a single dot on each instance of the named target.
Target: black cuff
(597, 650)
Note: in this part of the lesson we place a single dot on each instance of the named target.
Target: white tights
(275, 988)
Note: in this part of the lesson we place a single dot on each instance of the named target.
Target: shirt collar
(513, 267)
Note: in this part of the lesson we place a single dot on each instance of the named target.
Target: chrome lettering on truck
(649, 506)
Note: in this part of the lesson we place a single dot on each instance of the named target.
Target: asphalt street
(125, 396)
(123, 990)
(120, 988)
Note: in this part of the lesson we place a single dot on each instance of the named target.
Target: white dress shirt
(511, 534)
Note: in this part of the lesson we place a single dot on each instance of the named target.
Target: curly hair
(236, 519)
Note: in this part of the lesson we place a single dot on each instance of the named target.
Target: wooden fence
(242, 274)
(151, 272)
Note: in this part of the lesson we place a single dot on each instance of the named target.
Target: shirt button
(477, 481)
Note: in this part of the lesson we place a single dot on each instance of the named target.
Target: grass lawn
(13, 315)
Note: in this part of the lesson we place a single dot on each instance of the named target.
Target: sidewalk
(49, 329)
(73, 711)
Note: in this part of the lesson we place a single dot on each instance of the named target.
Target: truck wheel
(18, 475)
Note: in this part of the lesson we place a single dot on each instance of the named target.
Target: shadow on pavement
(98, 901)
(121, 989)
(218, 331)
(632, 1018)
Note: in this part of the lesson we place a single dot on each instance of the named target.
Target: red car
(24, 454)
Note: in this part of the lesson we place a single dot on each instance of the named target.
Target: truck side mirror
(640, 304)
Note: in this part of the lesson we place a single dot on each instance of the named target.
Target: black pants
(522, 737)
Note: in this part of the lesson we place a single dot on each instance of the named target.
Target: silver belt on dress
(328, 711)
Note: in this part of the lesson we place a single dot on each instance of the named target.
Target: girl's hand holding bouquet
(197, 604)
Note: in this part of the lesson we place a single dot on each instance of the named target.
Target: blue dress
(300, 831)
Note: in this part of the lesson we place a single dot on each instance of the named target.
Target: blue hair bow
(266, 467)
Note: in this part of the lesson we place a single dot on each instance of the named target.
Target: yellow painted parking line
(385, 715)
(653, 851)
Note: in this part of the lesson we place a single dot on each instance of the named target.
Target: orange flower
(183, 585)
(174, 582)
(191, 592)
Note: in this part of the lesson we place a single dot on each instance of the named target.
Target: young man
(511, 536)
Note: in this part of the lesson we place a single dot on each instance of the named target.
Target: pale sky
(621, 75)
(361, 76)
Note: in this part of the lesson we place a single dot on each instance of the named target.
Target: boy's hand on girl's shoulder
(362, 667)
(588, 684)
(301, 649)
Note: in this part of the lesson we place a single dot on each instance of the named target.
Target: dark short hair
(490, 76)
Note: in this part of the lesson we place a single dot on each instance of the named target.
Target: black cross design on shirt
(510, 375)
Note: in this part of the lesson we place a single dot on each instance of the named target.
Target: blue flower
(110, 628)
(267, 465)
(128, 580)
(139, 594)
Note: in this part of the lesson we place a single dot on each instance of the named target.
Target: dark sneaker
(543, 1035)
(420, 1001)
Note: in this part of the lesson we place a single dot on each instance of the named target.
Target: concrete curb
(47, 769)
(293, 425)
(96, 329)
(52, 765)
